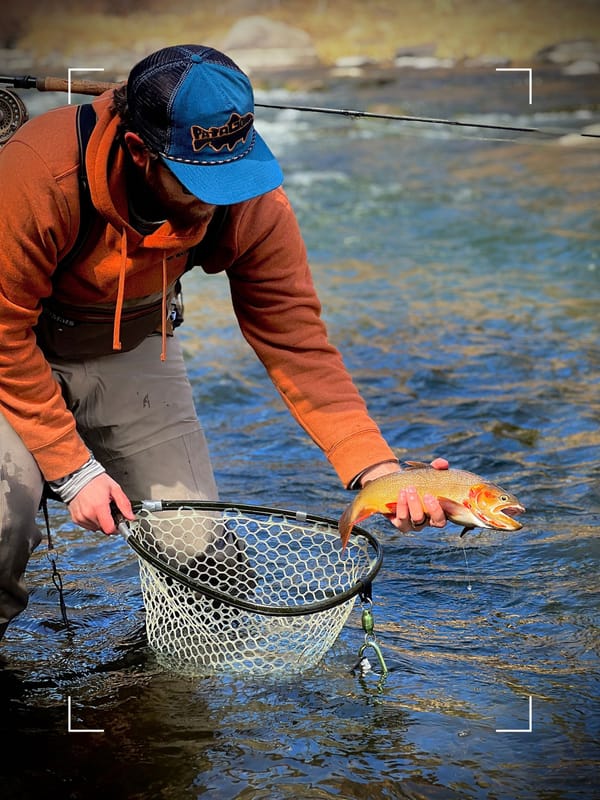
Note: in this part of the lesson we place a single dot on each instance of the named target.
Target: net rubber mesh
(274, 576)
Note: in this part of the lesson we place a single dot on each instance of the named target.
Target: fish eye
(504, 498)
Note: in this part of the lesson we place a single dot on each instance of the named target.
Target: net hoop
(299, 517)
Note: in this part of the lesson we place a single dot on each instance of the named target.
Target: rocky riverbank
(277, 54)
(331, 36)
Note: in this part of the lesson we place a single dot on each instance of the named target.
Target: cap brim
(224, 184)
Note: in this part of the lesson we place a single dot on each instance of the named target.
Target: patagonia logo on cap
(218, 137)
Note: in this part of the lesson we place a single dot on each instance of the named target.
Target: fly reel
(12, 114)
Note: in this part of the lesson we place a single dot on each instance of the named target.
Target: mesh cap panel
(153, 84)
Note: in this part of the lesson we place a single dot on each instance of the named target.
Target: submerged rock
(588, 137)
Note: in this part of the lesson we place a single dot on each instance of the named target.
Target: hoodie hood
(105, 167)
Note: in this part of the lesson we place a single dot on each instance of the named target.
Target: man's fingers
(437, 518)
(414, 512)
(409, 510)
(106, 520)
(122, 502)
(91, 506)
(415, 507)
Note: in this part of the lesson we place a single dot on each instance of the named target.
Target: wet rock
(424, 62)
(354, 62)
(570, 51)
(417, 50)
(486, 61)
(421, 56)
(576, 57)
(259, 43)
(354, 67)
(582, 67)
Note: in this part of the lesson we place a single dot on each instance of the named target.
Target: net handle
(273, 611)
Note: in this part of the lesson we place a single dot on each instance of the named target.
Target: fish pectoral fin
(450, 507)
(466, 529)
(417, 465)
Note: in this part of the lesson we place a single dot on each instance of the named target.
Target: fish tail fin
(346, 523)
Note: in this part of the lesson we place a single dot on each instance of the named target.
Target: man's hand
(90, 507)
(412, 514)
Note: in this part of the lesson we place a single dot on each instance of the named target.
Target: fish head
(494, 506)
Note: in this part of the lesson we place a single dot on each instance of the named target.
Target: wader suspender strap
(85, 121)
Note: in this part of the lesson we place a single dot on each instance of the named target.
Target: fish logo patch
(220, 137)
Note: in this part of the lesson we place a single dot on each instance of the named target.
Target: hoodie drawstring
(163, 316)
(120, 293)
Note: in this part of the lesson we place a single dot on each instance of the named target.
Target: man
(94, 397)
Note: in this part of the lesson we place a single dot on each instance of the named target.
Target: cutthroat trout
(467, 499)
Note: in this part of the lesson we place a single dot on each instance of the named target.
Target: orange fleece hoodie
(261, 250)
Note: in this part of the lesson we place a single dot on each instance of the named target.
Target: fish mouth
(504, 514)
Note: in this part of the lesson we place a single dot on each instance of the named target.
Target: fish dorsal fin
(417, 465)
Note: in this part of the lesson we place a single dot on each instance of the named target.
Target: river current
(459, 272)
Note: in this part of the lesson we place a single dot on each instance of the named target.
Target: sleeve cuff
(69, 486)
(355, 482)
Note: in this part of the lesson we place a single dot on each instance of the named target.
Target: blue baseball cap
(195, 107)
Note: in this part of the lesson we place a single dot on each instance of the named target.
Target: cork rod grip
(77, 86)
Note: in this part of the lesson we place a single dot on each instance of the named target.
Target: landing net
(245, 588)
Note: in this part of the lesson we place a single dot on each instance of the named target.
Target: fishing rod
(87, 87)
(432, 120)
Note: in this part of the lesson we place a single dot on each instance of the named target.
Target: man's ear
(140, 155)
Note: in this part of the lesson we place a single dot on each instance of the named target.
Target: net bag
(245, 588)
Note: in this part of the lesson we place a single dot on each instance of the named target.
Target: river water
(459, 274)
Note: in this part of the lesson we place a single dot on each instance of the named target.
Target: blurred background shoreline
(288, 37)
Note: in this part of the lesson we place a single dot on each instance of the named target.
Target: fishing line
(353, 113)
(469, 587)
